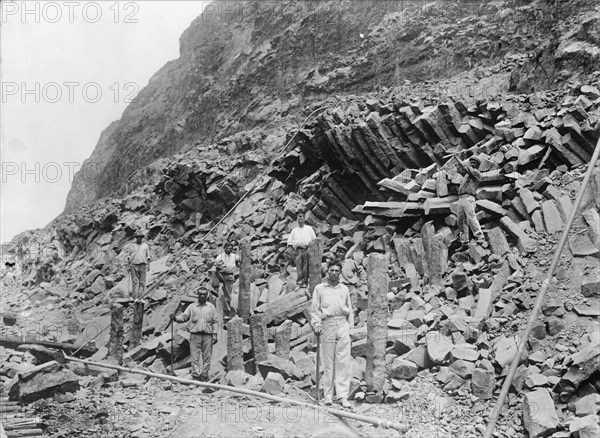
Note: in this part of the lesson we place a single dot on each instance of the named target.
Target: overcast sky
(68, 69)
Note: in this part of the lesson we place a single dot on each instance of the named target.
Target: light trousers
(201, 345)
(335, 354)
(227, 280)
(467, 219)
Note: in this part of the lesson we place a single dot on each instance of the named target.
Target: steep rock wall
(253, 66)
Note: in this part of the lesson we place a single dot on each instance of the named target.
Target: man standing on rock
(298, 240)
(201, 320)
(466, 201)
(138, 259)
(332, 316)
(224, 273)
(353, 275)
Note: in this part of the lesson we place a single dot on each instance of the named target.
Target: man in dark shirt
(466, 201)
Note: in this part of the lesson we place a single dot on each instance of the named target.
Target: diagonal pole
(172, 348)
(541, 296)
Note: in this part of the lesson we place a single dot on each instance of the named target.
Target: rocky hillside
(251, 72)
(392, 88)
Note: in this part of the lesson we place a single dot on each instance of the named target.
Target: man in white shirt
(467, 192)
(138, 259)
(333, 317)
(299, 239)
(224, 273)
(201, 320)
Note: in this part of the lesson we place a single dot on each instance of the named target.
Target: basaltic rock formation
(218, 147)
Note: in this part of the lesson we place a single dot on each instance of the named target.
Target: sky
(67, 70)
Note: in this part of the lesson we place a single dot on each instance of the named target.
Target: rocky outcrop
(362, 147)
(256, 67)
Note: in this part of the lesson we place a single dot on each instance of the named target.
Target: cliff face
(84, 188)
(254, 68)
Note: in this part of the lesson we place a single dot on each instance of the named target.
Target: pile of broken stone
(449, 310)
(449, 328)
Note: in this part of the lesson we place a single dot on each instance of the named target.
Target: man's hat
(139, 233)
(476, 159)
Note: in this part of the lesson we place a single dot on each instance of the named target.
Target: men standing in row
(138, 259)
(333, 317)
(201, 318)
(466, 201)
(224, 273)
(298, 240)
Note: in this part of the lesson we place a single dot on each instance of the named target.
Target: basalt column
(244, 297)
(377, 308)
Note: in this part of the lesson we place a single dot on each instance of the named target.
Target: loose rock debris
(374, 174)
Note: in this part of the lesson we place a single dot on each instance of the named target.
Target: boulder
(590, 404)
(590, 287)
(403, 369)
(555, 325)
(43, 354)
(585, 362)
(505, 350)
(255, 382)
(275, 364)
(404, 343)
(539, 413)
(98, 286)
(419, 356)
(468, 354)
(438, 347)
(148, 348)
(91, 277)
(159, 319)
(585, 427)
(273, 384)
(462, 368)
(43, 381)
(237, 378)
(461, 282)
(359, 348)
(303, 361)
(482, 383)
(535, 379)
(590, 91)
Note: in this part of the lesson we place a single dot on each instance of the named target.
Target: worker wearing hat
(466, 200)
(224, 271)
(138, 259)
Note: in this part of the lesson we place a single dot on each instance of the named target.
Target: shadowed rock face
(257, 67)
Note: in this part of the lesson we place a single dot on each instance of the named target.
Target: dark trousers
(201, 345)
(302, 265)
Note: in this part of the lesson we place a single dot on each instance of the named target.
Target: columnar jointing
(377, 309)
(244, 300)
